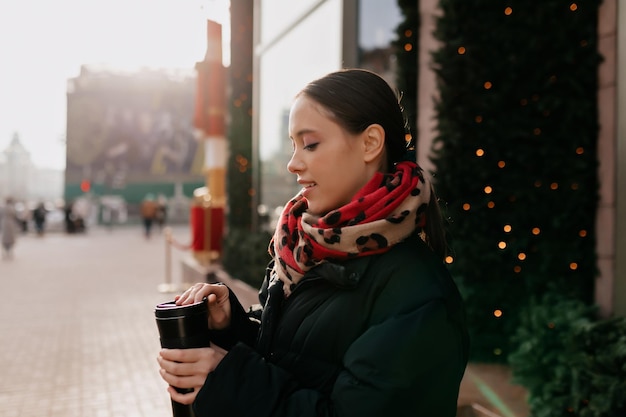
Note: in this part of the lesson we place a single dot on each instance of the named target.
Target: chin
(316, 210)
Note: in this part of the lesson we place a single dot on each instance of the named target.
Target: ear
(373, 142)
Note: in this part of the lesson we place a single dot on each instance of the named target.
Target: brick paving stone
(77, 330)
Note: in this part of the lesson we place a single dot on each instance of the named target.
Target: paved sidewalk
(78, 336)
(77, 330)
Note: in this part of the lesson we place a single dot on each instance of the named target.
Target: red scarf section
(384, 212)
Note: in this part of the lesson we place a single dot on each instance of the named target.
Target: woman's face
(328, 161)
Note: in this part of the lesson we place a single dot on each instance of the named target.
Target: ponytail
(434, 232)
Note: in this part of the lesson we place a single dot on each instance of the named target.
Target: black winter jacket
(381, 335)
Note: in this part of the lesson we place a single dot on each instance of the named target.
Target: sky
(43, 43)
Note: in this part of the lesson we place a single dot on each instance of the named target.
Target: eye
(311, 147)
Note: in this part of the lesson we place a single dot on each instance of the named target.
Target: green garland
(515, 155)
(239, 168)
(245, 250)
(406, 48)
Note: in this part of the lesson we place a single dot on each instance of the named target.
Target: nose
(295, 164)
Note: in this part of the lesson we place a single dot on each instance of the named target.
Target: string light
(242, 162)
(582, 233)
(487, 85)
(466, 206)
(580, 150)
(488, 190)
(461, 50)
(507, 228)
(491, 204)
(521, 256)
(478, 119)
(480, 152)
(536, 131)
(408, 47)
(554, 186)
(449, 259)
(501, 164)
(517, 269)
(497, 313)
(536, 231)
(574, 186)
(573, 266)
(508, 11)
(502, 245)
(573, 7)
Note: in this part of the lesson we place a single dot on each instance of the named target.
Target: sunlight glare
(44, 43)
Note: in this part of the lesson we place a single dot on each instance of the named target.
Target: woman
(359, 315)
(9, 228)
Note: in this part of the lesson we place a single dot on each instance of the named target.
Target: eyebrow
(301, 132)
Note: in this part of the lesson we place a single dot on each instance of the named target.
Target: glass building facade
(297, 42)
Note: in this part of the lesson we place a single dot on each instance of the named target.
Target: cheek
(345, 181)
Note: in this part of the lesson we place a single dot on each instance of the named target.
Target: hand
(218, 302)
(188, 368)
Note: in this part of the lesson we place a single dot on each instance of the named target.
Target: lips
(306, 184)
(307, 188)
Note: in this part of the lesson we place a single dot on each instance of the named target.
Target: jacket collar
(345, 275)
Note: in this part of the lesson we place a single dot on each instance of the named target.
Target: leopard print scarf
(389, 208)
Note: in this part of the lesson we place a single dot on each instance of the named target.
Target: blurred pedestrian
(70, 226)
(39, 218)
(21, 215)
(9, 228)
(161, 211)
(148, 211)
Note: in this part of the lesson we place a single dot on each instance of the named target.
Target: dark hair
(357, 98)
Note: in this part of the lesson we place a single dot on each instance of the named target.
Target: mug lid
(170, 309)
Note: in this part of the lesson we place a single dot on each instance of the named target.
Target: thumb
(219, 307)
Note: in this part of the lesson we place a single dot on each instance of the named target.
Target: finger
(182, 298)
(188, 297)
(182, 382)
(216, 310)
(219, 307)
(206, 290)
(173, 355)
(167, 365)
(182, 398)
(181, 369)
(181, 356)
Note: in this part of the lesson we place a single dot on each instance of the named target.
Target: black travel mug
(183, 327)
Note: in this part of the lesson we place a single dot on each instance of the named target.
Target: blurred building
(130, 134)
(22, 180)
